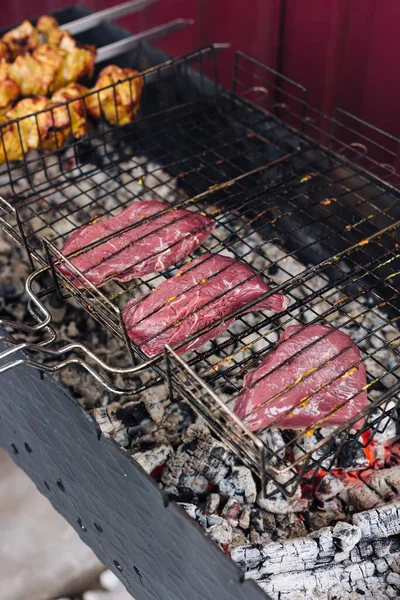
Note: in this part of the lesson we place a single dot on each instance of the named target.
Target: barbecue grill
(284, 183)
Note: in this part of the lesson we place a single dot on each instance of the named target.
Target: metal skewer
(108, 14)
(156, 33)
(168, 68)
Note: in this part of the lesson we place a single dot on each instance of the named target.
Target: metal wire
(290, 197)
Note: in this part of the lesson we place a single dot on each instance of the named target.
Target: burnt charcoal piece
(199, 462)
(132, 414)
(351, 455)
(239, 484)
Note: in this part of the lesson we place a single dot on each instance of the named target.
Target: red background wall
(344, 51)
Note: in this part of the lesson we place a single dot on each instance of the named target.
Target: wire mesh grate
(310, 212)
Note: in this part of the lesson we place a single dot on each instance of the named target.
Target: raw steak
(270, 389)
(133, 245)
(203, 291)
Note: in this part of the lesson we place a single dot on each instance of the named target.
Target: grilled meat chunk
(77, 60)
(312, 371)
(204, 291)
(146, 237)
(21, 39)
(5, 52)
(45, 27)
(35, 129)
(70, 119)
(35, 73)
(9, 89)
(75, 113)
(120, 102)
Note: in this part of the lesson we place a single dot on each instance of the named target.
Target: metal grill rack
(286, 185)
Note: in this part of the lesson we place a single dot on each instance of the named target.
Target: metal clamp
(41, 315)
(43, 318)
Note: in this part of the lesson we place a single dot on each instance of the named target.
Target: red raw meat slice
(205, 290)
(272, 391)
(131, 251)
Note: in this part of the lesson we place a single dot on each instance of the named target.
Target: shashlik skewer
(24, 37)
(47, 58)
(118, 104)
(45, 123)
(39, 69)
(54, 65)
(108, 14)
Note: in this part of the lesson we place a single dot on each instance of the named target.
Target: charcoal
(178, 416)
(358, 495)
(378, 523)
(265, 526)
(323, 547)
(257, 520)
(132, 414)
(221, 533)
(155, 408)
(351, 454)
(238, 538)
(195, 513)
(244, 518)
(285, 568)
(212, 503)
(384, 430)
(394, 580)
(330, 513)
(240, 484)
(289, 526)
(192, 484)
(109, 423)
(83, 386)
(274, 444)
(345, 537)
(329, 487)
(231, 511)
(318, 458)
(160, 434)
(199, 461)
(153, 459)
(259, 538)
(372, 488)
(274, 500)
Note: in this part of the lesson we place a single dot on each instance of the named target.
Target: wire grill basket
(307, 200)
